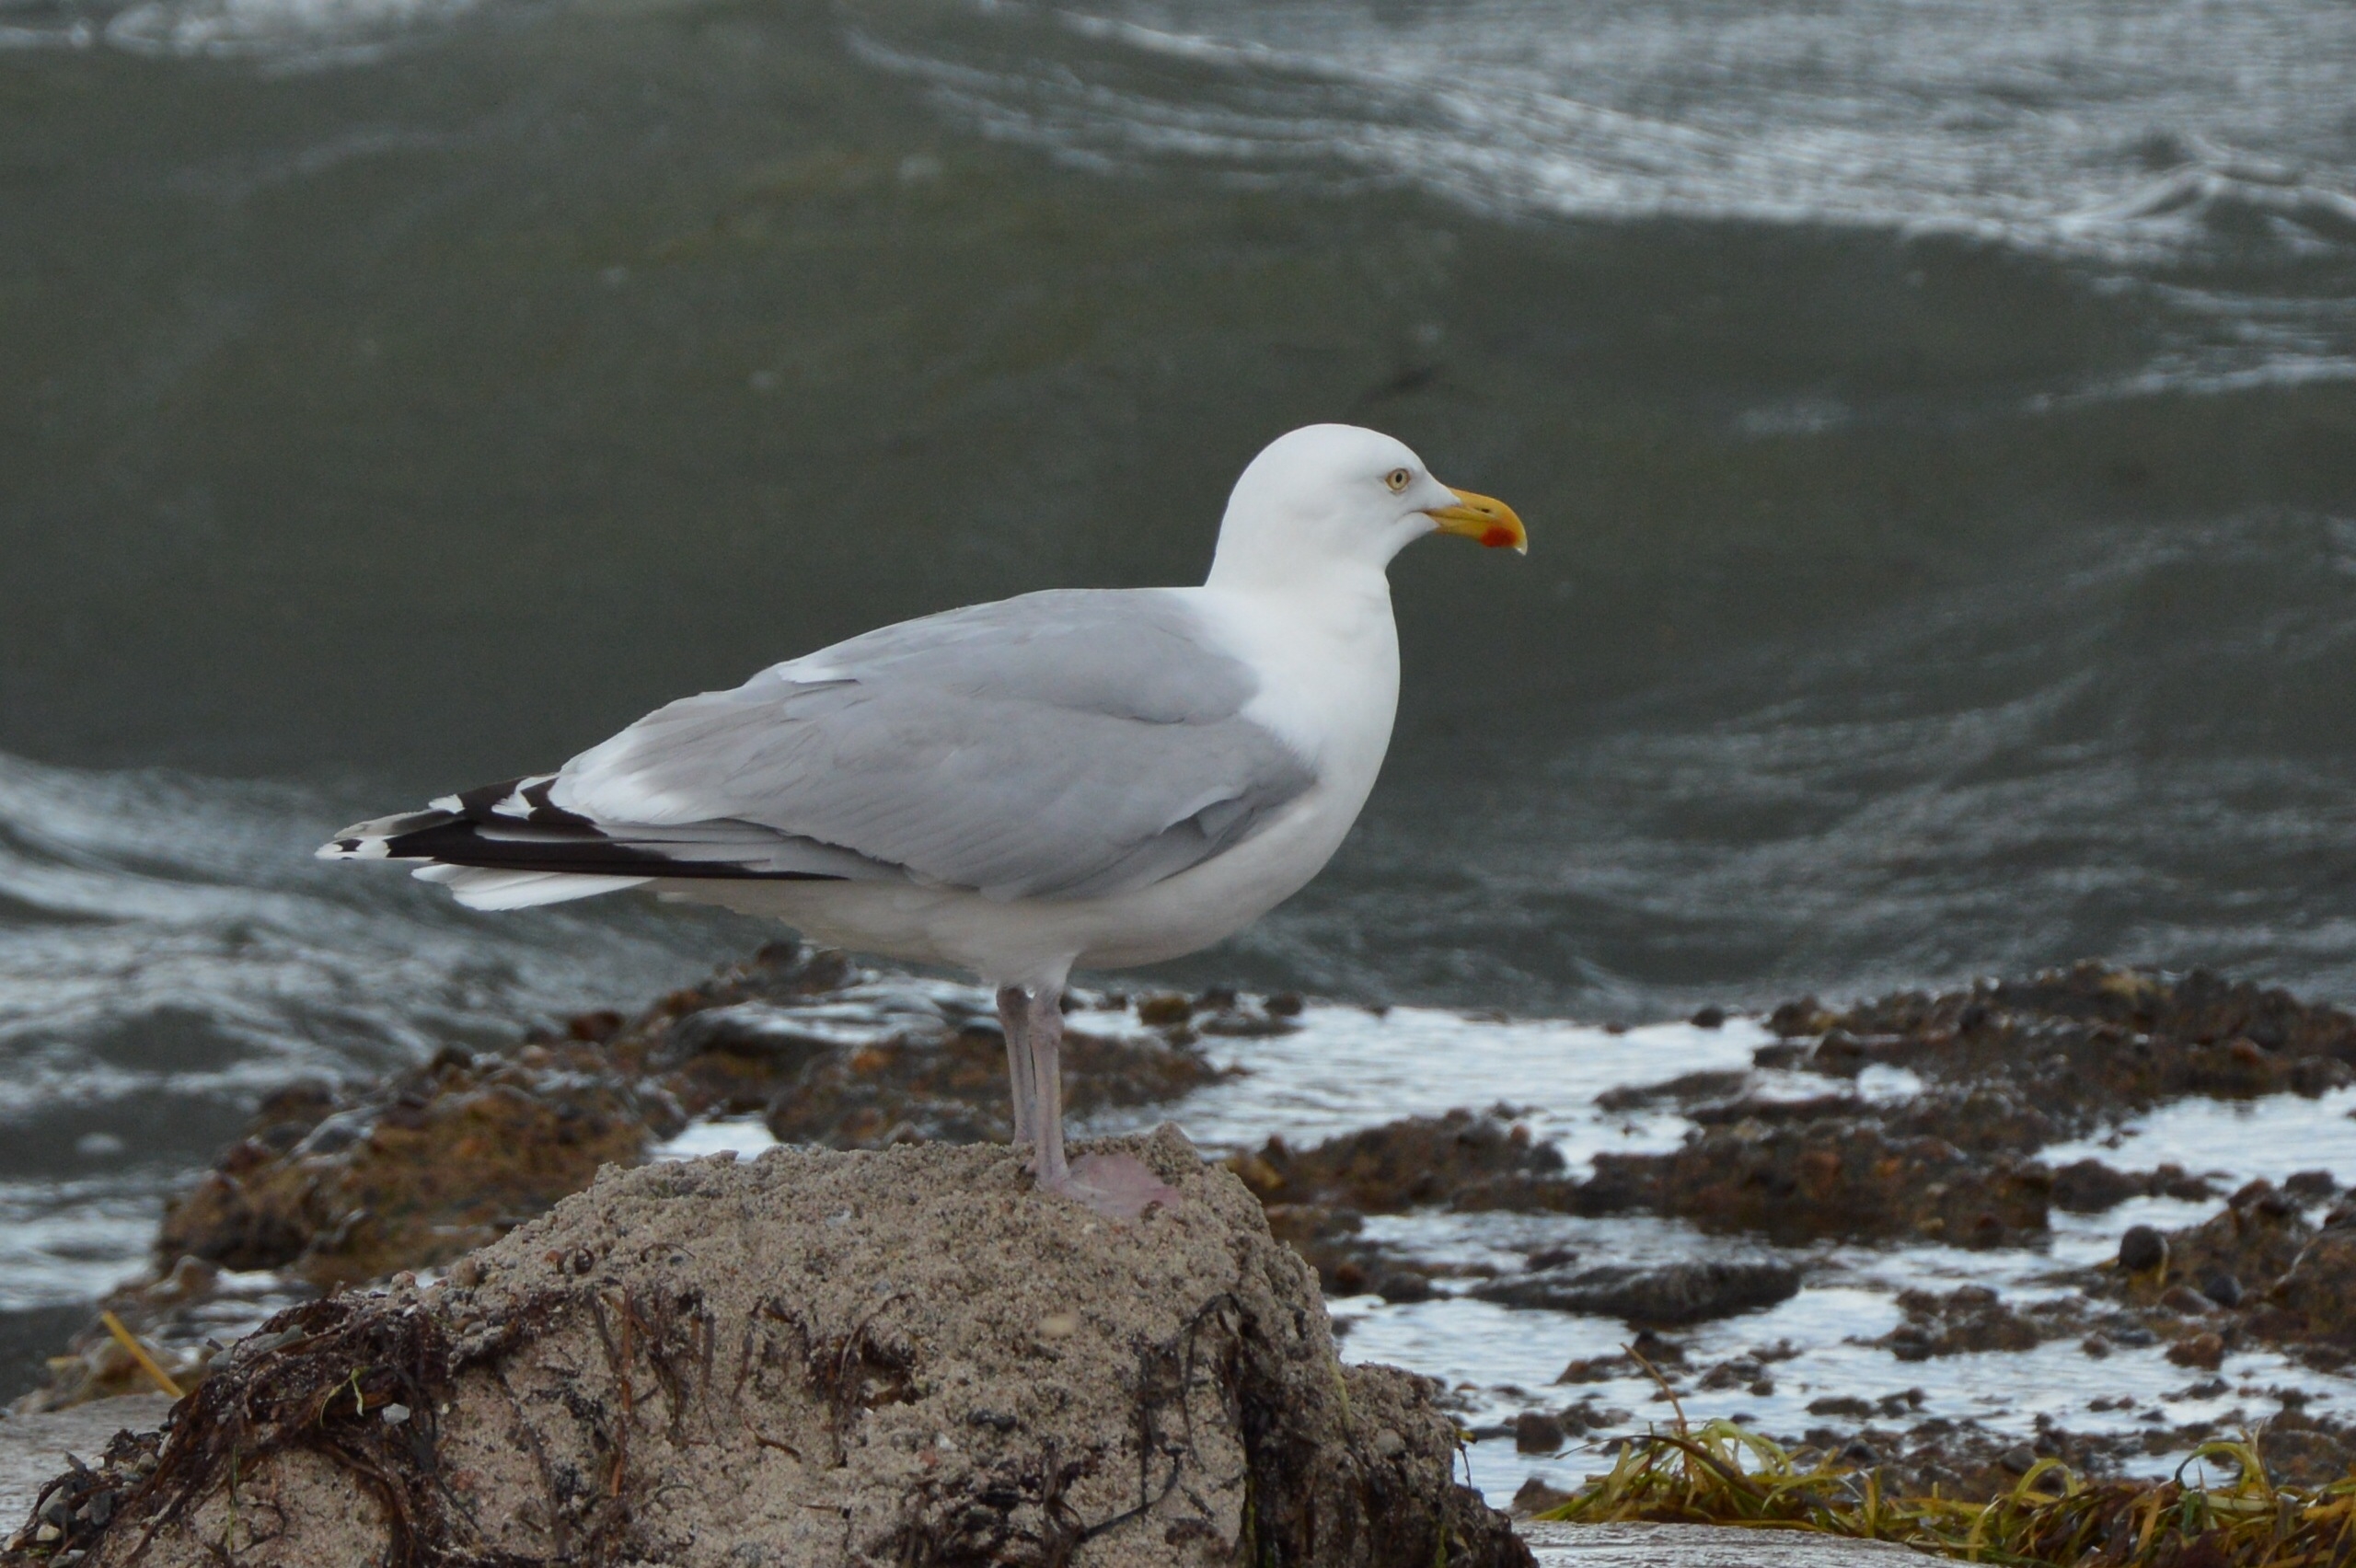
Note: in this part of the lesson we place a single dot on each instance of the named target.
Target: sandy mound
(902, 1357)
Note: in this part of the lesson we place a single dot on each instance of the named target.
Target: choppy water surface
(1937, 427)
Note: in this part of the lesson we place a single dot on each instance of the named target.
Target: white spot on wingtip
(445, 803)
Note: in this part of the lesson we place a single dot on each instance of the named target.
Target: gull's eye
(1397, 480)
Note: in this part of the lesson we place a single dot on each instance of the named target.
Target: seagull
(1091, 777)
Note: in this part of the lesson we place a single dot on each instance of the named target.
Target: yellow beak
(1483, 518)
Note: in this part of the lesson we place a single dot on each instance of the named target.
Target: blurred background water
(1935, 419)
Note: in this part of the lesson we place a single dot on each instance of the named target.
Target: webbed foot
(1118, 1186)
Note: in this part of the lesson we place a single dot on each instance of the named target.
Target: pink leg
(1116, 1185)
(1013, 1016)
(1044, 1032)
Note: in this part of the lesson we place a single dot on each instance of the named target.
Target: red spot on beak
(1497, 537)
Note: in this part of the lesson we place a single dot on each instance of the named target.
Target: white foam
(745, 1136)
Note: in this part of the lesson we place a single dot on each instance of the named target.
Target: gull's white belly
(1036, 941)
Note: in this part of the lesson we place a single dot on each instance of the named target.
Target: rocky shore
(903, 1356)
(1911, 1121)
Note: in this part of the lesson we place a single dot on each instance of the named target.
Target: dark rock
(2203, 1350)
(2223, 1288)
(1535, 1431)
(1160, 1011)
(1709, 1016)
(2300, 1450)
(1839, 1178)
(1466, 1160)
(2310, 1186)
(1536, 1497)
(2253, 1240)
(2089, 1043)
(2142, 1249)
(2320, 1288)
(1970, 1318)
(1672, 1294)
(778, 1039)
(2089, 1186)
(1686, 1090)
(426, 1166)
(1740, 1373)
(1806, 1015)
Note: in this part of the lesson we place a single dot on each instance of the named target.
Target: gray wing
(1066, 744)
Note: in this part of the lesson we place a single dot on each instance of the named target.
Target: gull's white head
(1332, 495)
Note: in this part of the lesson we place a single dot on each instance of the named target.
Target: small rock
(2204, 1351)
(2089, 1186)
(1711, 1016)
(2142, 1249)
(2020, 1458)
(1535, 1431)
(1160, 1011)
(1675, 1292)
(1537, 1497)
(2310, 1186)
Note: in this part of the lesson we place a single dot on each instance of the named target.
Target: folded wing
(1061, 745)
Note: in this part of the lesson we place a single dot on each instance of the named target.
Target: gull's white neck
(1326, 650)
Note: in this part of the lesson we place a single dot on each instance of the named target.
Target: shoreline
(1904, 1128)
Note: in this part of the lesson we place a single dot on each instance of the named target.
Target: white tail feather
(478, 888)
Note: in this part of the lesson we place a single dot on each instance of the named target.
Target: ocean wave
(172, 951)
(2062, 128)
(284, 34)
